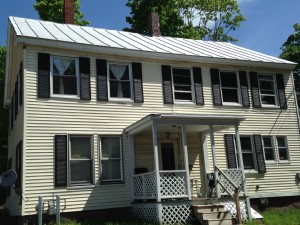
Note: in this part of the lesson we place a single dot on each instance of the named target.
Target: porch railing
(173, 184)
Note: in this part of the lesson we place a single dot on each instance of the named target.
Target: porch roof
(193, 122)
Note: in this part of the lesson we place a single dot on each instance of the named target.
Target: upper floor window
(229, 82)
(268, 148)
(182, 85)
(267, 87)
(120, 81)
(64, 77)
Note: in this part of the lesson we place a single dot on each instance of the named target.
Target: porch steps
(213, 214)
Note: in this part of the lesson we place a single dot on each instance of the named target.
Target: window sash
(108, 159)
(75, 76)
(223, 88)
(268, 96)
(245, 152)
(180, 95)
(282, 150)
(268, 150)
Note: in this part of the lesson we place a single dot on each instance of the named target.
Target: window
(64, 77)
(282, 148)
(111, 160)
(247, 152)
(120, 81)
(268, 148)
(230, 87)
(80, 160)
(267, 87)
(182, 85)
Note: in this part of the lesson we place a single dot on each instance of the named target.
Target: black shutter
(261, 166)
(281, 91)
(19, 165)
(85, 84)
(13, 109)
(21, 84)
(60, 160)
(244, 88)
(101, 67)
(137, 82)
(43, 75)
(16, 99)
(230, 151)
(255, 90)
(8, 167)
(215, 85)
(198, 86)
(167, 84)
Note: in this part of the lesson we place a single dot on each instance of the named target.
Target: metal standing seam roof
(43, 30)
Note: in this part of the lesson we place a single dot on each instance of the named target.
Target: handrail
(228, 178)
(172, 171)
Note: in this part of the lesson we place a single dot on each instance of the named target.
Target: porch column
(131, 163)
(186, 161)
(156, 164)
(241, 166)
(213, 149)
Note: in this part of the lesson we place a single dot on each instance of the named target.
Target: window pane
(281, 142)
(111, 169)
(71, 70)
(283, 154)
(266, 85)
(114, 88)
(182, 87)
(183, 96)
(266, 77)
(269, 154)
(110, 147)
(183, 72)
(267, 142)
(80, 147)
(182, 79)
(228, 79)
(246, 144)
(80, 171)
(230, 95)
(248, 161)
(65, 85)
(268, 100)
(125, 90)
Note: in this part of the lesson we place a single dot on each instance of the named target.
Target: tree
(291, 51)
(50, 10)
(197, 19)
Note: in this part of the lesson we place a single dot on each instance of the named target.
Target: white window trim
(273, 146)
(111, 181)
(287, 150)
(83, 184)
(77, 77)
(275, 91)
(192, 87)
(114, 99)
(238, 89)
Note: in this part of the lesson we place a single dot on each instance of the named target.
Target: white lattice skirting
(230, 206)
(163, 213)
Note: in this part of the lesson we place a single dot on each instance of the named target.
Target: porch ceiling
(193, 123)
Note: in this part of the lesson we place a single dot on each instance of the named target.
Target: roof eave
(146, 54)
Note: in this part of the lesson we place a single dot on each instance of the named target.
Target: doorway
(168, 155)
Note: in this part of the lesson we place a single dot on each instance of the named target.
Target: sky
(268, 25)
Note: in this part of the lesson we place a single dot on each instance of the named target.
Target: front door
(168, 155)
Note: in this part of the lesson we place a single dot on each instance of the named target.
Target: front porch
(176, 168)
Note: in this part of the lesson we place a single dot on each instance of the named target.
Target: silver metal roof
(120, 40)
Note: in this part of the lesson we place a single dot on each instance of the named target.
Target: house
(110, 120)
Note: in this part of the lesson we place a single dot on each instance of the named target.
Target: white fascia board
(274, 194)
(151, 55)
(6, 99)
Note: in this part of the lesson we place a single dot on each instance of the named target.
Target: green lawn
(279, 217)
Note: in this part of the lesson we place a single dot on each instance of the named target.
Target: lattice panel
(146, 212)
(176, 214)
(173, 184)
(137, 187)
(235, 175)
(230, 206)
(150, 185)
(144, 186)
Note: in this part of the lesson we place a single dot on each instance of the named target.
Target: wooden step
(209, 208)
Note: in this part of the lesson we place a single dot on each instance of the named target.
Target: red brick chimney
(153, 24)
(69, 11)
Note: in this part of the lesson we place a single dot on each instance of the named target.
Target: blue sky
(269, 22)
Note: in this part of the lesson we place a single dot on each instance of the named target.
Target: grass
(279, 217)
(65, 221)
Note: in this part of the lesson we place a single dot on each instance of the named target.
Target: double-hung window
(229, 82)
(111, 159)
(120, 81)
(267, 88)
(282, 148)
(268, 148)
(80, 156)
(247, 152)
(182, 85)
(64, 79)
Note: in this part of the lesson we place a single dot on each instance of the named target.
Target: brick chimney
(153, 24)
(69, 11)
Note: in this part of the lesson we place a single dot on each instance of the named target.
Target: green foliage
(197, 19)
(291, 51)
(50, 10)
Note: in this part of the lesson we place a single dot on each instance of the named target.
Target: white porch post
(131, 163)
(186, 161)
(213, 148)
(156, 164)
(241, 163)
